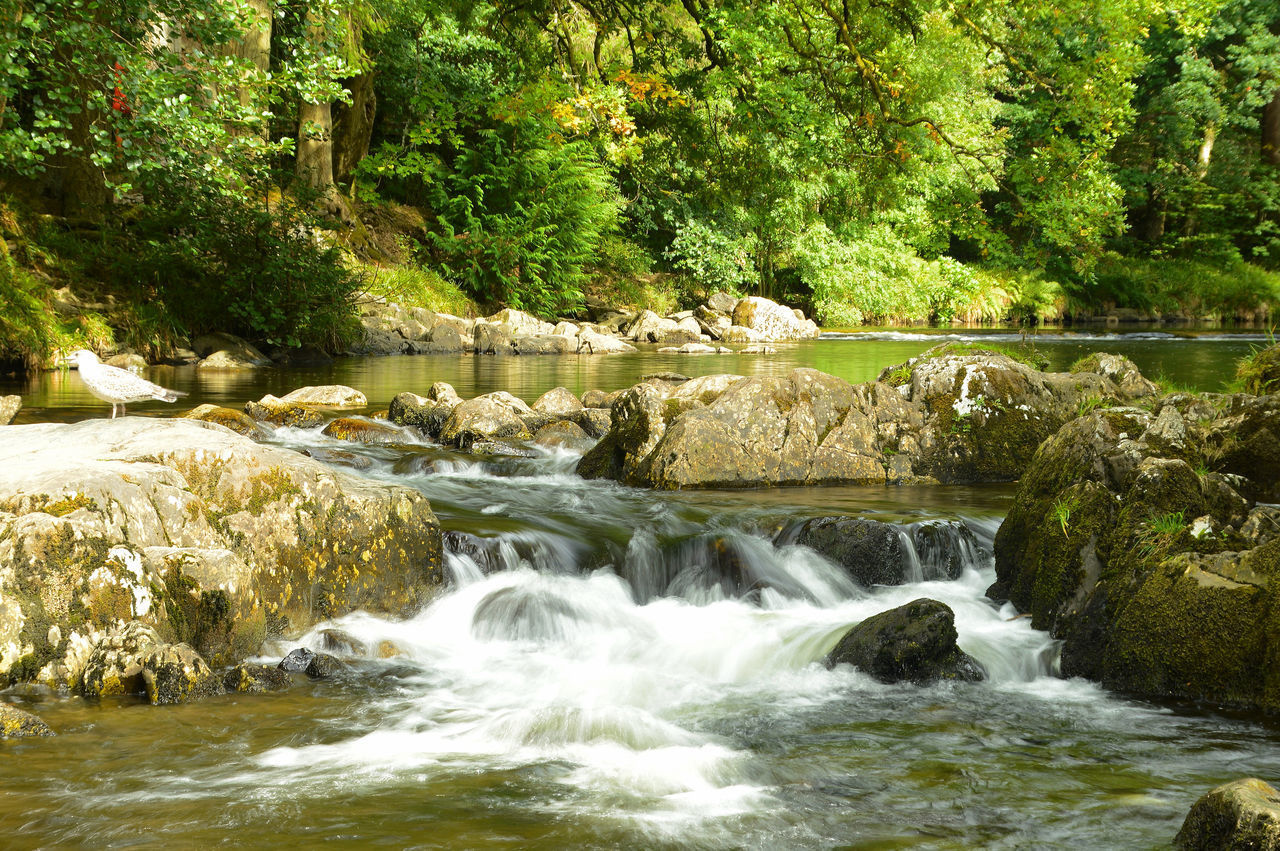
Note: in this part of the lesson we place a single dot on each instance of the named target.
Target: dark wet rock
(363, 431)
(338, 641)
(16, 723)
(9, 407)
(1135, 539)
(870, 552)
(915, 642)
(1243, 815)
(237, 421)
(297, 661)
(426, 414)
(672, 377)
(324, 667)
(114, 666)
(270, 409)
(339, 457)
(595, 421)
(304, 356)
(175, 673)
(255, 679)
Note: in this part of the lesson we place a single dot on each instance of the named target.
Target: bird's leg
(113, 410)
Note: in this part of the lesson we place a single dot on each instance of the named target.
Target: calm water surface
(601, 674)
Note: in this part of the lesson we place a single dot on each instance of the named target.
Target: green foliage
(717, 260)
(413, 285)
(1218, 290)
(1160, 532)
(1259, 372)
(255, 268)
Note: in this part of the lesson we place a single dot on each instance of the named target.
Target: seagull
(118, 386)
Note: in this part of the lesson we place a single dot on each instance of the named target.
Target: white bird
(118, 386)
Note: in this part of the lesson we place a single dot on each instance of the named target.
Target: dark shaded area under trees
(209, 162)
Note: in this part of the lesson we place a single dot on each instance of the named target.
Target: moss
(1026, 355)
(65, 506)
(269, 487)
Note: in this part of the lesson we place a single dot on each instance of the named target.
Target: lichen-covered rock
(114, 666)
(1123, 372)
(175, 673)
(491, 339)
(493, 416)
(270, 409)
(9, 407)
(223, 360)
(1129, 539)
(722, 302)
(16, 723)
(205, 536)
(915, 642)
(519, 323)
(360, 430)
(1243, 815)
(255, 679)
(237, 421)
(773, 322)
(326, 396)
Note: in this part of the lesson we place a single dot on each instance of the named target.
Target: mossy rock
(363, 431)
(237, 421)
(255, 679)
(1243, 815)
(19, 724)
(1259, 373)
(915, 642)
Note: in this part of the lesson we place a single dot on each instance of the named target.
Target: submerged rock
(1243, 814)
(237, 421)
(255, 679)
(297, 661)
(16, 723)
(203, 535)
(915, 642)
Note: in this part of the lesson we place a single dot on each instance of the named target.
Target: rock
(364, 431)
(338, 641)
(722, 302)
(772, 321)
(649, 327)
(114, 666)
(690, 349)
(519, 323)
(501, 449)
(255, 679)
(544, 344)
(594, 399)
(237, 421)
(1123, 545)
(175, 673)
(714, 323)
(739, 334)
(870, 552)
(238, 349)
(326, 396)
(340, 458)
(269, 409)
(564, 435)
(389, 650)
(19, 724)
(915, 642)
(758, 349)
(493, 416)
(591, 343)
(1123, 373)
(490, 339)
(303, 356)
(1243, 814)
(134, 363)
(297, 661)
(9, 407)
(421, 412)
(595, 421)
(559, 401)
(205, 536)
(445, 339)
(380, 341)
(324, 667)
(226, 361)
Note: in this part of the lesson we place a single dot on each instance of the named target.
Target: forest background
(169, 167)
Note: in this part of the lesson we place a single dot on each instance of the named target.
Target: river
(612, 667)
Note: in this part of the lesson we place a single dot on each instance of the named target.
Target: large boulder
(362, 430)
(914, 643)
(427, 413)
(870, 552)
(772, 321)
(202, 535)
(1243, 815)
(518, 323)
(559, 401)
(593, 343)
(1135, 539)
(175, 673)
(649, 327)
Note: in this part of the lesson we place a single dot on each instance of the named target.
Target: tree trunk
(315, 131)
(1154, 216)
(1271, 131)
(353, 127)
(256, 44)
(1206, 150)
